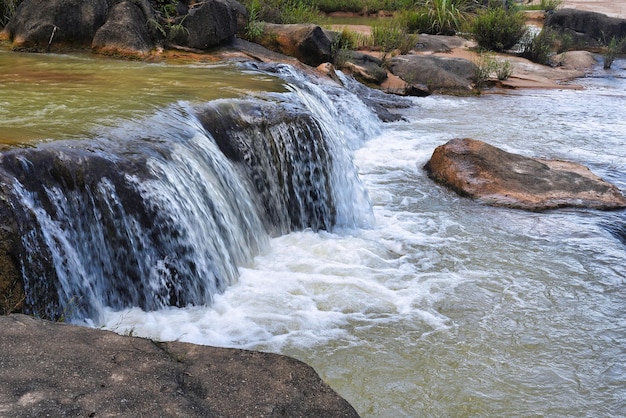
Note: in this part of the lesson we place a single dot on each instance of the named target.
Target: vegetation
(538, 48)
(613, 48)
(7, 10)
(439, 17)
(498, 28)
(487, 64)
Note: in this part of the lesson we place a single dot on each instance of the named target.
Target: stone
(56, 369)
(587, 29)
(48, 25)
(574, 60)
(212, 23)
(364, 67)
(438, 74)
(478, 170)
(308, 43)
(125, 32)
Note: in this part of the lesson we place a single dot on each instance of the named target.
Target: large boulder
(364, 67)
(587, 29)
(210, 24)
(476, 169)
(308, 43)
(55, 369)
(429, 74)
(46, 25)
(125, 32)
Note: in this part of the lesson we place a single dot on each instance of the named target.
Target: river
(437, 305)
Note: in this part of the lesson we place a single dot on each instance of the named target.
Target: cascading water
(165, 215)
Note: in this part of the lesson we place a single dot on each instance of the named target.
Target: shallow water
(52, 96)
(443, 306)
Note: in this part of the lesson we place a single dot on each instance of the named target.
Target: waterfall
(163, 211)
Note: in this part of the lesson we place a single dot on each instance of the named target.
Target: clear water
(442, 306)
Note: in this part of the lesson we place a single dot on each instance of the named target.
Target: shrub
(550, 5)
(7, 10)
(390, 35)
(497, 28)
(438, 17)
(614, 47)
(277, 11)
(538, 48)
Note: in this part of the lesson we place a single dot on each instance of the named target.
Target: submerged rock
(54, 369)
(476, 169)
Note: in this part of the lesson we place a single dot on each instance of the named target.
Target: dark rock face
(125, 32)
(42, 25)
(211, 24)
(475, 169)
(309, 43)
(126, 27)
(588, 29)
(53, 369)
(433, 74)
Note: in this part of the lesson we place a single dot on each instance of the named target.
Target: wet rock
(476, 169)
(54, 369)
(587, 29)
(438, 74)
(308, 43)
(11, 285)
(48, 25)
(125, 32)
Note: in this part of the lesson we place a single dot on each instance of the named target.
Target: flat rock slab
(54, 369)
(476, 169)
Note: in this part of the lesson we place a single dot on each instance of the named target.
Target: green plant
(550, 5)
(614, 47)
(390, 35)
(539, 47)
(485, 65)
(7, 10)
(438, 17)
(504, 69)
(497, 28)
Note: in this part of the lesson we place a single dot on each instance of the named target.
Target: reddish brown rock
(59, 370)
(476, 169)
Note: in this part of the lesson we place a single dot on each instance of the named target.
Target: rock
(588, 29)
(308, 43)
(574, 60)
(438, 43)
(45, 25)
(210, 24)
(364, 67)
(55, 369)
(11, 286)
(125, 32)
(475, 169)
(438, 74)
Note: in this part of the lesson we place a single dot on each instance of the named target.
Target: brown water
(50, 96)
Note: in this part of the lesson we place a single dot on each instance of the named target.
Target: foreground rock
(475, 169)
(53, 369)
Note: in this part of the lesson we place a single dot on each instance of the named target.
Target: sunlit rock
(476, 169)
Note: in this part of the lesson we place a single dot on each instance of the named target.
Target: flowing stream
(409, 300)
